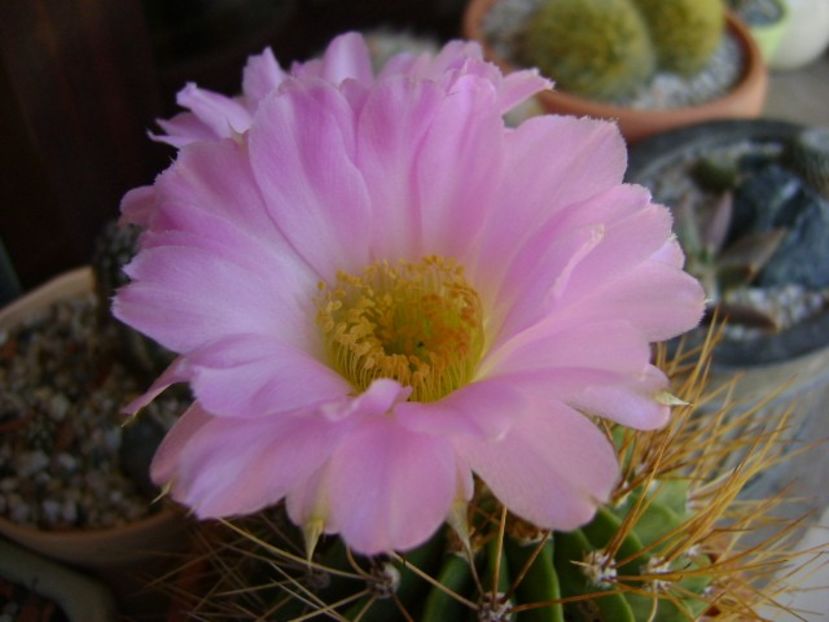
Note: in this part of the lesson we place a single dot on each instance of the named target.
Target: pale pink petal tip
(138, 205)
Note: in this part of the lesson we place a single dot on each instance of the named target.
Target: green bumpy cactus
(595, 48)
(685, 33)
(632, 560)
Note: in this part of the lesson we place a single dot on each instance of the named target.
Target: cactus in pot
(596, 48)
(657, 551)
(606, 49)
(684, 33)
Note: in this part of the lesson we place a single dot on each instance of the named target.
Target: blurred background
(81, 82)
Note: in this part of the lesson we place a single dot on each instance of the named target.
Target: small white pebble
(51, 511)
(66, 461)
(58, 407)
(112, 439)
(31, 462)
(20, 511)
(69, 511)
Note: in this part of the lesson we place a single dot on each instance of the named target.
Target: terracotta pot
(745, 100)
(117, 554)
(82, 599)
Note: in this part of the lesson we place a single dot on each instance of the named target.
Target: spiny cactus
(685, 33)
(658, 551)
(595, 48)
(115, 247)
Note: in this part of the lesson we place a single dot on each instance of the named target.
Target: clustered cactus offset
(606, 49)
(659, 551)
(597, 48)
(685, 33)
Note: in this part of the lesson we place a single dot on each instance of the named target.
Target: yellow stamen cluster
(419, 323)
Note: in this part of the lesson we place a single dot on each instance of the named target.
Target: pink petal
(390, 488)
(519, 86)
(216, 178)
(659, 299)
(458, 167)
(262, 74)
(539, 272)
(554, 162)
(186, 297)
(483, 409)
(347, 56)
(221, 114)
(631, 403)
(138, 205)
(599, 239)
(225, 466)
(552, 469)
(178, 371)
(253, 376)
(301, 149)
(379, 399)
(183, 129)
(165, 461)
(612, 345)
(391, 126)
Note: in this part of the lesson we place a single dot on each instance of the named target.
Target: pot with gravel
(651, 65)
(71, 483)
(751, 206)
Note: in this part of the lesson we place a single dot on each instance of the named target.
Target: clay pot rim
(27, 533)
(70, 283)
(754, 73)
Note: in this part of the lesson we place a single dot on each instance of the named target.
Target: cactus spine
(656, 552)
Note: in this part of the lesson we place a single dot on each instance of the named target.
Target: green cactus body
(685, 33)
(595, 48)
(665, 548)
(589, 574)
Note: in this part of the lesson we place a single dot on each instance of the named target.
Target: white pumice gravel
(62, 387)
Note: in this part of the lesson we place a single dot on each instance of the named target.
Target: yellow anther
(419, 323)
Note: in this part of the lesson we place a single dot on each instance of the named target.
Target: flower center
(418, 323)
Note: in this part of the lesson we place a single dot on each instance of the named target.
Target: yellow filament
(419, 323)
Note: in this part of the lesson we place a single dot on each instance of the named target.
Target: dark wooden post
(77, 92)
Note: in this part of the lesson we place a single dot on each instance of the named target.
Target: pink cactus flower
(378, 290)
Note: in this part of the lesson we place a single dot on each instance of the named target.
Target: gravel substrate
(505, 23)
(61, 392)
